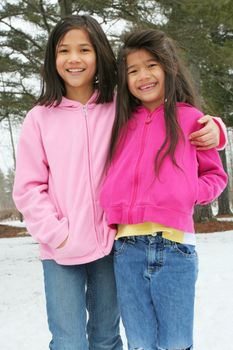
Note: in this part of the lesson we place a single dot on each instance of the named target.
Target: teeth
(148, 86)
(75, 70)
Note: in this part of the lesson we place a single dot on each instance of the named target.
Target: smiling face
(76, 64)
(146, 78)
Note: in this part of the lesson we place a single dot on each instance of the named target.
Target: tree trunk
(13, 154)
(65, 7)
(223, 200)
(203, 213)
(12, 141)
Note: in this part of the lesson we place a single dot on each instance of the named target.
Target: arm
(212, 134)
(212, 178)
(30, 191)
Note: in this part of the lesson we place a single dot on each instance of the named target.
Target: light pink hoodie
(60, 165)
(132, 193)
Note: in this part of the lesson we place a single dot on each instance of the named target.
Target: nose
(144, 73)
(74, 57)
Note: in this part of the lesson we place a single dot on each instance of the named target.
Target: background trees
(204, 31)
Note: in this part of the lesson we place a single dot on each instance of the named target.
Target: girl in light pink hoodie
(60, 165)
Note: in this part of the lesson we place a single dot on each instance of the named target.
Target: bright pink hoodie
(132, 193)
(60, 165)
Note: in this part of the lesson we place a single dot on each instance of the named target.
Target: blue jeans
(156, 287)
(70, 292)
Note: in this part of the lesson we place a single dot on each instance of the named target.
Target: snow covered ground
(23, 324)
(14, 223)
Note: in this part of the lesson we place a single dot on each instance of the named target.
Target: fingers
(205, 119)
(62, 244)
(210, 129)
(204, 139)
(202, 147)
(208, 136)
(198, 134)
(208, 132)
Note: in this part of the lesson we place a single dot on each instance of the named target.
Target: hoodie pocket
(81, 240)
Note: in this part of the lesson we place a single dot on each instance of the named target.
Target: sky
(23, 323)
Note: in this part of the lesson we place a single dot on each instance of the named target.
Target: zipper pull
(85, 110)
(148, 118)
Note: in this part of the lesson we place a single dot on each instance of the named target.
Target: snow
(14, 223)
(23, 323)
(226, 219)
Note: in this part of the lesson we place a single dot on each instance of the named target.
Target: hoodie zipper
(90, 173)
(137, 168)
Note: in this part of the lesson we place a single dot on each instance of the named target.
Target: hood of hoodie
(67, 103)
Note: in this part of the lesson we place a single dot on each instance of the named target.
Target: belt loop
(159, 233)
(131, 239)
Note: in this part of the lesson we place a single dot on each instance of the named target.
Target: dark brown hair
(178, 88)
(53, 87)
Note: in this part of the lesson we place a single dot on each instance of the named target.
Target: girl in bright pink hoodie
(155, 179)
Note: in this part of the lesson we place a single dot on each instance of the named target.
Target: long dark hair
(53, 87)
(178, 88)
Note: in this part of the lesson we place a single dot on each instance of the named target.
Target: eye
(85, 49)
(62, 51)
(152, 65)
(132, 71)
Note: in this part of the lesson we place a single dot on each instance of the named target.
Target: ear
(96, 79)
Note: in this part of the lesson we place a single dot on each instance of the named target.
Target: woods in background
(204, 31)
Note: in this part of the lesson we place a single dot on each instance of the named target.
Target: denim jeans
(156, 287)
(70, 292)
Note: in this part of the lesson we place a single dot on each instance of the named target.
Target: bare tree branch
(42, 10)
(23, 34)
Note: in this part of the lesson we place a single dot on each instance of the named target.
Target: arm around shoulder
(213, 133)
(212, 179)
(223, 133)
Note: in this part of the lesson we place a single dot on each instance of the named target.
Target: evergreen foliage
(203, 30)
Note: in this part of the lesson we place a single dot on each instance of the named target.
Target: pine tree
(204, 31)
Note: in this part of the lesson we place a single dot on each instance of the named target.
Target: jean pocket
(119, 246)
(187, 250)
